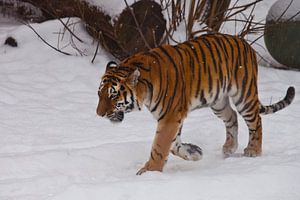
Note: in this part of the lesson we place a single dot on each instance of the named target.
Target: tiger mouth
(116, 116)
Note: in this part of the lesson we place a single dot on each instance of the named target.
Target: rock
(11, 42)
(152, 25)
(282, 32)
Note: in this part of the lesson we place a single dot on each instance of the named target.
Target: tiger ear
(133, 78)
(110, 65)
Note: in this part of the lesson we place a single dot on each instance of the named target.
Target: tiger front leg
(165, 135)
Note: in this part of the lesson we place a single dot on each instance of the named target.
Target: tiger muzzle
(116, 116)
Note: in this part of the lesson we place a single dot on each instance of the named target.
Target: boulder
(282, 32)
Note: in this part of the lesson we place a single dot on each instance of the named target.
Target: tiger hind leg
(254, 147)
(223, 110)
(249, 110)
(185, 151)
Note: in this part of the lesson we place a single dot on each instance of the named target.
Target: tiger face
(117, 96)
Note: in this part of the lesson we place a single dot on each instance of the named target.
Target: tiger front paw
(150, 166)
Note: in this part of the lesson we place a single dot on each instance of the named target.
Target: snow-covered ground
(54, 147)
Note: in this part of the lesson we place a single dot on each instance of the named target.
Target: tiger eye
(114, 83)
(122, 88)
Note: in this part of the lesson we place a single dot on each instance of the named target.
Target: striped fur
(171, 81)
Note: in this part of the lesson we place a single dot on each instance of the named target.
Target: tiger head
(117, 94)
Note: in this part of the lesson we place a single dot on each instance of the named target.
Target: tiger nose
(101, 114)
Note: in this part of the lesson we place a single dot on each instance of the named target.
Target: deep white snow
(54, 147)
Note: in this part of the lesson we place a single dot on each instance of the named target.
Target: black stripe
(248, 115)
(164, 95)
(149, 86)
(226, 121)
(218, 91)
(210, 82)
(200, 66)
(160, 76)
(243, 86)
(175, 80)
(209, 47)
(158, 154)
(237, 59)
(122, 68)
(219, 66)
(251, 120)
(183, 99)
(246, 106)
(227, 39)
(220, 109)
(140, 65)
(249, 107)
(202, 98)
(203, 56)
(235, 123)
(192, 64)
(125, 97)
(114, 78)
(152, 157)
(154, 55)
(220, 42)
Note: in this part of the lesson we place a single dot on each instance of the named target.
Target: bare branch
(96, 51)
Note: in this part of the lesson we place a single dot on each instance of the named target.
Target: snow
(113, 7)
(283, 10)
(53, 146)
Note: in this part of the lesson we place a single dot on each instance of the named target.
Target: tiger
(173, 80)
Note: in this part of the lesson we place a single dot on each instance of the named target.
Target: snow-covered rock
(283, 10)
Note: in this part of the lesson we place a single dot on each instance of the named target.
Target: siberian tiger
(172, 81)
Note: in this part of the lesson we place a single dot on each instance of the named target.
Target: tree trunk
(216, 14)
